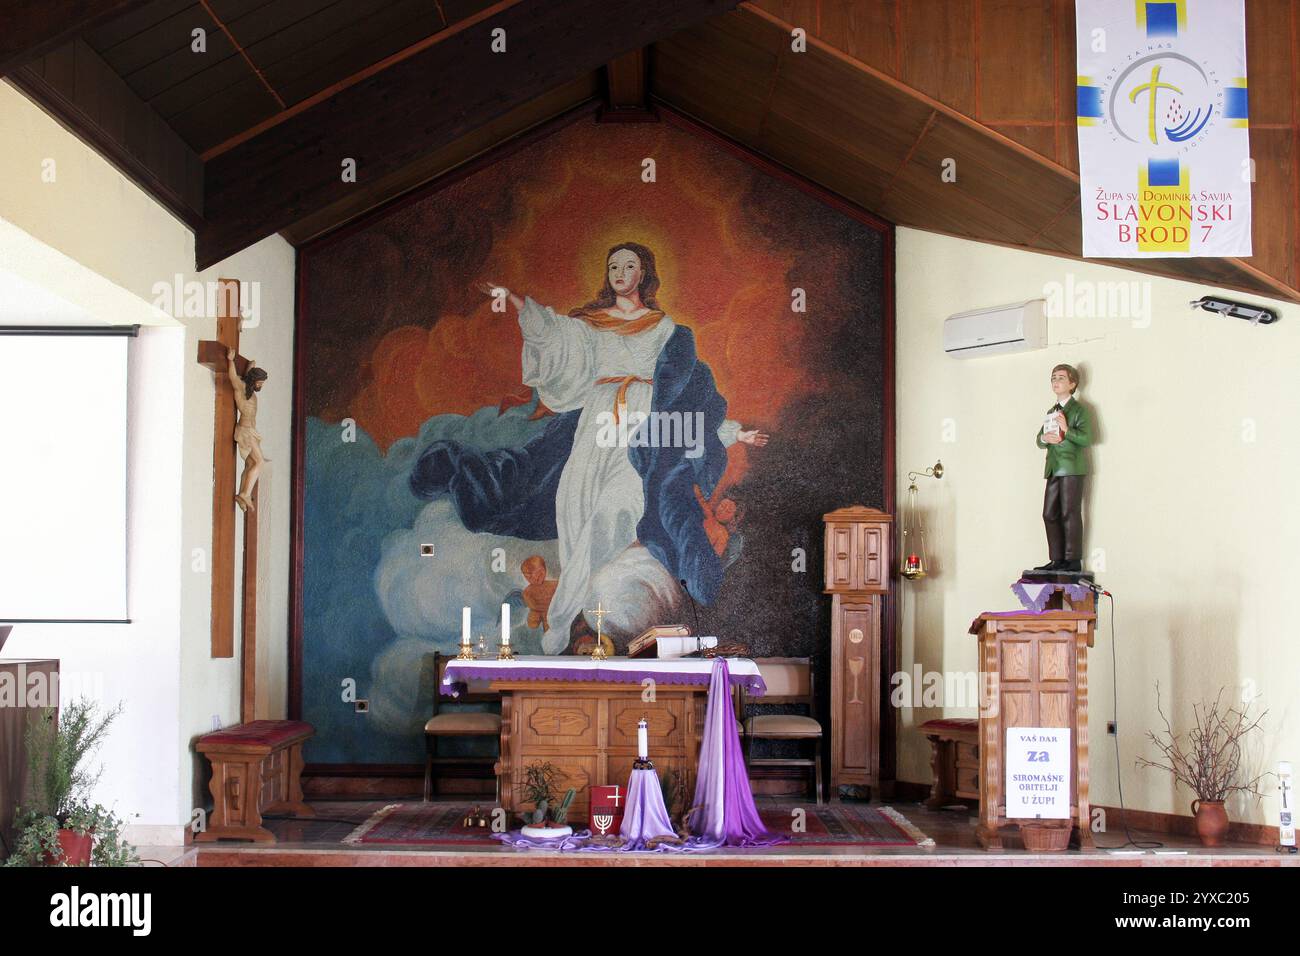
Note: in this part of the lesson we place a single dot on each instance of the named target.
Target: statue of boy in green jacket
(1065, 434)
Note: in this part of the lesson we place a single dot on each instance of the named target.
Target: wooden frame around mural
(302, 329)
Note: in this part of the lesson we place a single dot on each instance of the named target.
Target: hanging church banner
(619, 367)
(1164, 150)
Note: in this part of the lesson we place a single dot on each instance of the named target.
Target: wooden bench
(256, 769)
(954, 760)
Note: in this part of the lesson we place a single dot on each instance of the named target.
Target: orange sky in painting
(716, 276)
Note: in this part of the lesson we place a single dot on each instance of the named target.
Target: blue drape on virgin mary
(514, 491)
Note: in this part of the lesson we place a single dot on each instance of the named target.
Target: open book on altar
(668, 640)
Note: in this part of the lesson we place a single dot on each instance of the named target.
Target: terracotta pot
(1211, 821)
(1046, 836)
(75, 846)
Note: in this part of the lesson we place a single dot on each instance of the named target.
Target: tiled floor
(318, 842)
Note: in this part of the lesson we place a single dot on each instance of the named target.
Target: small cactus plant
(561, 813)
(537, 816)
(538, 788)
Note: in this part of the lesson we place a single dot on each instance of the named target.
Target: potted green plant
(1207, 760)
(59, 825)
(548, 819)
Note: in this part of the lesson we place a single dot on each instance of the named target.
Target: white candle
(464, 626)
(505, 625)
(642, 739)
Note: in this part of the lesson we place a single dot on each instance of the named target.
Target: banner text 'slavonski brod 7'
(1164, 149)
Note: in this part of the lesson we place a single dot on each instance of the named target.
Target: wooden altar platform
(318, 842)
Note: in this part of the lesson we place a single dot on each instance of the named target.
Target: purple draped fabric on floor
(725, 814)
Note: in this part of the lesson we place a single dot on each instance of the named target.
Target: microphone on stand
(696, 610)
(1095, 588)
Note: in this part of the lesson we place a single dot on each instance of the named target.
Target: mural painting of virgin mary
(627, 515)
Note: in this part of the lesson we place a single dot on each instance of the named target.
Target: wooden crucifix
(214, 355)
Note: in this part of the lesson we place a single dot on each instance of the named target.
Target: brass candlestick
(466, 652)
(505, 652)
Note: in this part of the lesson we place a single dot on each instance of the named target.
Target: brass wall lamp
(914, 563)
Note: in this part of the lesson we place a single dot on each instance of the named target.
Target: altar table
(581, 715)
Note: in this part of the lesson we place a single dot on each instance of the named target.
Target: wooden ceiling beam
(627, 88)
(82, 93)
(32, 28)
(420, 103)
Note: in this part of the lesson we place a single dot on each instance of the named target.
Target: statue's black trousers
(1063, 517)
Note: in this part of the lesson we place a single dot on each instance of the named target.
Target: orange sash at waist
(623, 381)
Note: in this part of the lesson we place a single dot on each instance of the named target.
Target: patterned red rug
(442, 824)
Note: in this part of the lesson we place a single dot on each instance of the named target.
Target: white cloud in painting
(422, 596)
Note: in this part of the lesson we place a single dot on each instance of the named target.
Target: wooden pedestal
(1033, 673)
(857, 578)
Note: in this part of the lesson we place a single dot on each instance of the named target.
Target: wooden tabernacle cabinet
(857, 578)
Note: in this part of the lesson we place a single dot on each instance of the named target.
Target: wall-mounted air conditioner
(1021, 327)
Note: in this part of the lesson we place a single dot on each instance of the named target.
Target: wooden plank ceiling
(263, 57)
(887, 91)
(246, 138)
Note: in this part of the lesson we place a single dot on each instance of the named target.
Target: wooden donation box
(1033, 674)
(857, 578)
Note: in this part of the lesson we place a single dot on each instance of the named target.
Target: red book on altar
(606, 813)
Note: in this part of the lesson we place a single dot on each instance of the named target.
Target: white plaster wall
(1191, 504)
(94, 215)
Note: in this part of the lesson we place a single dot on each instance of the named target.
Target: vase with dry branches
(1207, 760)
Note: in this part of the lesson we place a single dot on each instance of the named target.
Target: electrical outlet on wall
(426, 550)
(362, 706)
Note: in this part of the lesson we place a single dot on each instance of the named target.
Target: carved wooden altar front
(587, 731)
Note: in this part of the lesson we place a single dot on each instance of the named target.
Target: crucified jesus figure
(246, 436)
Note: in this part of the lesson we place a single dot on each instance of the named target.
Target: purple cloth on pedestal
(1033, 595)
(726, 815)
(644, 815)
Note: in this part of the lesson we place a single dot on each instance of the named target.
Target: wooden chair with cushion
(457, 723)
(789, 681)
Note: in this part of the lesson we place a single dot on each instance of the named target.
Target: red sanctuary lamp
(913, 537)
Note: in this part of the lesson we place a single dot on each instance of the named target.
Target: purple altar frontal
(613, 670)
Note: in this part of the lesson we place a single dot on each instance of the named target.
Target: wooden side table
(256, 769)
(954, 759)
